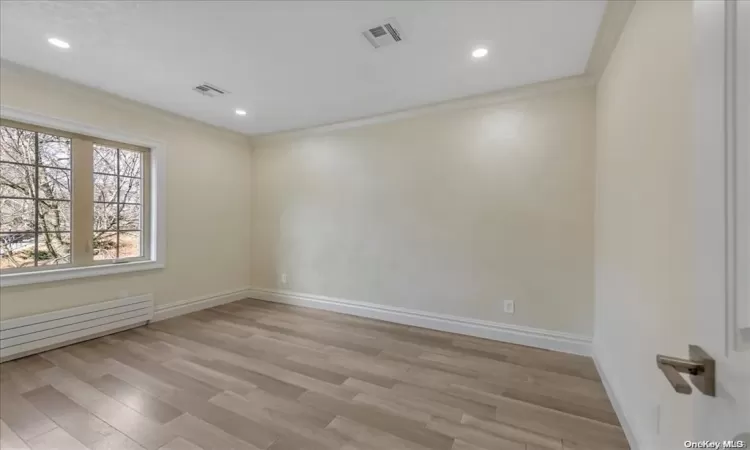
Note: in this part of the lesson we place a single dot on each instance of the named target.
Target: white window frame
(158, 211)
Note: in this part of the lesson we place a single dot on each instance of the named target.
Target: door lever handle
(672, 368)
(700, 367)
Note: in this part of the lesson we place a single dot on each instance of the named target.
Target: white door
(722, 127)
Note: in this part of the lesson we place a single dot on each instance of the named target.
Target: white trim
(615, 17)
(732, 171)
(534, 337)
(196, 304)
(625, 422)
(739, 113)
(477, 101)
(46, 276)
(158, 257)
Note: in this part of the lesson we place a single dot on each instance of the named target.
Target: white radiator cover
(27, 335)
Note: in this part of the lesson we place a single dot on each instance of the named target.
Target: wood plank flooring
(254, 375)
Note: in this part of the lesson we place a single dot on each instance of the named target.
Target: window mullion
(36, 199)
(82, 207)
(117, 207)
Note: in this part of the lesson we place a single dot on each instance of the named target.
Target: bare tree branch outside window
(35, 198)
(117, 203)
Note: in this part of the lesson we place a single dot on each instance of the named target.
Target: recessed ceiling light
(58, 43)
(240, 112)
(480, 52)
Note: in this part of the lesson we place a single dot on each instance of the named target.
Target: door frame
(716, 153)
(722, 171)
(741, 160)
(736, 173)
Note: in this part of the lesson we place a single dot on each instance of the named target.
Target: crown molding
(613, 22)
(477, 101)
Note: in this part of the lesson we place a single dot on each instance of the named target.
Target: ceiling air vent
(385, 33)
(209, 90)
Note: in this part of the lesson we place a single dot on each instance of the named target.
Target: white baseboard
(196, 304)
(533, 337)
(625, 423)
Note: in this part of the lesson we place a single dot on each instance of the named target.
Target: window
(70, 201)
(117, 203)
(35, 197)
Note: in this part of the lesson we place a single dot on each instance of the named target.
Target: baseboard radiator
(32, 334)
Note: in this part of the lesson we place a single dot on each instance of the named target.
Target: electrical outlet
(509, 306)
(284, 278)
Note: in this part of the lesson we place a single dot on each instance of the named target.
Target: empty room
(375, 225)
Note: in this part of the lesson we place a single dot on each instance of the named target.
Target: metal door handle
(700, 367)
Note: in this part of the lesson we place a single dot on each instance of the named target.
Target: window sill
(46, 276)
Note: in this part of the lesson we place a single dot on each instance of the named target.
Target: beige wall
(644, 231)
(450, 212)
(207, 186)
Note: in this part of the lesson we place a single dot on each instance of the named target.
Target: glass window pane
(54, 249)
(17, 145)
(17, 180)
(130, 163)
(54, 217)
(105, 217)
(130, 245)
(16, 250)
(17, 215)
(130, 217)
(54, 151)
(105, 159)
(105, 188)
(105, 246)
(54, 183)
(130, 190)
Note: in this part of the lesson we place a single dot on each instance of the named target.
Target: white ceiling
(299, 64)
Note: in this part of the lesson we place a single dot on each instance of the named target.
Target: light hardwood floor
(256, 375)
